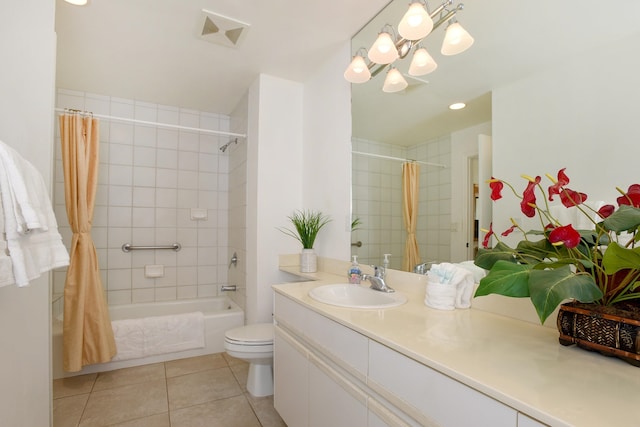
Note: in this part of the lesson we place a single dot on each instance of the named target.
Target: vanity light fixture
(416, 24)
(457, 106)
(77, 2)
(394, 82)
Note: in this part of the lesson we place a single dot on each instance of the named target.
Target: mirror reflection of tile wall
(377, 201)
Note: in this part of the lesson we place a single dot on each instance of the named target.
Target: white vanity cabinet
(327, 374)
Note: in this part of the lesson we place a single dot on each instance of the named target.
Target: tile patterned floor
(200, 391)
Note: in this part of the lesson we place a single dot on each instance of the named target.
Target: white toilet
(254, 343)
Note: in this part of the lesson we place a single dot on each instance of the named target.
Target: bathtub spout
(228, 288)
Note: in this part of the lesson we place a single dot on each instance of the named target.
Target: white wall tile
(118, 236)
(166, 294)
(143, 217)
(119, 279)
(144, 136)
(187, 292)
(166, 198)
(143, 295)
(144, 197)
(167, 138)
(166, 178)
(120, 195)
(120, 133)
(119, 297)
(187, 180)
(144, 156)
(118, 216)
(120, 154)
(120, 175)
(167, 159)
(188, 161)
(144, 176)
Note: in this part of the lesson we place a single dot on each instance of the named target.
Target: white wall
(327, 153)
(26, 123)
(274, 185)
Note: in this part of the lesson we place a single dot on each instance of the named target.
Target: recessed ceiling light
(457, 106)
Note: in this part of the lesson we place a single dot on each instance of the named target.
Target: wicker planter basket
(608, 330)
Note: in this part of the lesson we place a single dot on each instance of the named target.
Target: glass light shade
(357, 71)
(456, 40)
(416, 24)
(383, 50)
(394, 82)
(77, 2)
(422, 63)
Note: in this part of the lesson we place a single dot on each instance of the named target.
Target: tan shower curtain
(410, 176)
(87, 334)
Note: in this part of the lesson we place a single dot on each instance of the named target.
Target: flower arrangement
(559, 262)
(307, 225)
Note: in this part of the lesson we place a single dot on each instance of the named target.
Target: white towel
(6, 268)
(449, 286)
(149, 336)
(30, 227)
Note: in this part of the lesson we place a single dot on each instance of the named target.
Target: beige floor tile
(201, 387)
(126, 403)
(263, 408)
(231, 412)
(68, 410)
(175, 368)
(232, 360)
(71, 386)
(241, 372)
(158, 420)
(128, 376)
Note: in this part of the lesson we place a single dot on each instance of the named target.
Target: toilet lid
(258, 333)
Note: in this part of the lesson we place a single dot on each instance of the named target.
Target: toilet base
(260, 379)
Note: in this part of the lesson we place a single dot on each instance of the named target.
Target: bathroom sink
(356, 296)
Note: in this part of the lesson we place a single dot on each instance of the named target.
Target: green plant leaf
(625, 218)
(486, 258)
(534, 252)
(617, 258)
(506, 278)
(550, 287)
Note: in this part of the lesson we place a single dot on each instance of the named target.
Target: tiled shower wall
(377, 201)
(149, 180)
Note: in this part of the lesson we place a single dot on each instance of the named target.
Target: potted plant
(598, 269)
(307, 224)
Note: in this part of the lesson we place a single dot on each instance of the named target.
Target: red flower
(566, 235)
(485, 241)
(606, 211)
(572, 198)
(527, 206)
(509, 230)
(496, 188)
(556, 188)
(632, 196)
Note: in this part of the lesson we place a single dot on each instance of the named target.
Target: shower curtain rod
(380, 156)
(157, 124)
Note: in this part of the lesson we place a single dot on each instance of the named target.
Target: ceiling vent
(221, 29)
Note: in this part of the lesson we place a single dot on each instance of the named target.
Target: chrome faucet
(377, 281)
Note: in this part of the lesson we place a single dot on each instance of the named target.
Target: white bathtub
(220, 315)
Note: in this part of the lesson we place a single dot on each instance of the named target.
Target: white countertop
(517, 363)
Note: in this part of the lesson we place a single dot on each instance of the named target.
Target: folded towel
(30, 227)
(6, 267)
(449, 286)
(149, 336)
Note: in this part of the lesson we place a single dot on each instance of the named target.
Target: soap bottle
(355, 274)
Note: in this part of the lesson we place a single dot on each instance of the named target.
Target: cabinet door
(291, 380)
(525, 421)
(441, 399)
(333, 400)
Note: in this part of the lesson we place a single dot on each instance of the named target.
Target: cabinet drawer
(439, 398)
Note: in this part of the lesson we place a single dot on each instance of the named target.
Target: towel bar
(127, 247)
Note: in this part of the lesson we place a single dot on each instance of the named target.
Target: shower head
(225, 146)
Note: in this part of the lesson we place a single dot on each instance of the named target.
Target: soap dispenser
(355, 274)
(385, 265)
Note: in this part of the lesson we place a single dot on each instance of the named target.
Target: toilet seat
(260, 334)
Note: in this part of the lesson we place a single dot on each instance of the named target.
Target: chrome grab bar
(127, 247)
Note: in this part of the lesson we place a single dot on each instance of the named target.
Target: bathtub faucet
(228, 288)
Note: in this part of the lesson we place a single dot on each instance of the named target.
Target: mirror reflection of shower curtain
(410, 187)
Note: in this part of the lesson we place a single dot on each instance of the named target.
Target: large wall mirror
(513, 40)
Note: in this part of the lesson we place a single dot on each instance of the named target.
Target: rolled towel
(449, 286)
